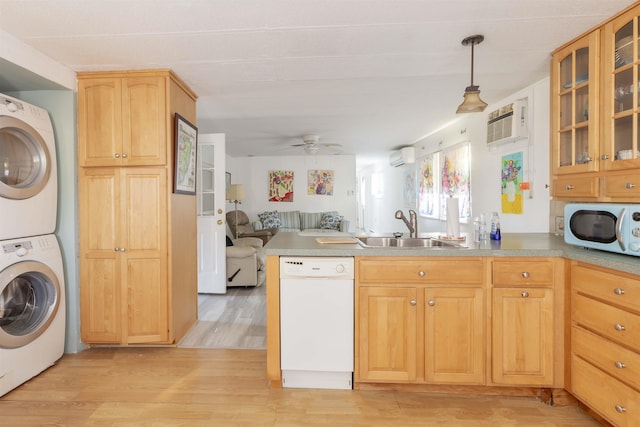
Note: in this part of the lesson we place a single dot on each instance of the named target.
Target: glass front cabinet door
(619, 145)
(206, 182)
(574, 98)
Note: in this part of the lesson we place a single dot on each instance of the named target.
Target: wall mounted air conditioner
(507, 124)
(402, 156)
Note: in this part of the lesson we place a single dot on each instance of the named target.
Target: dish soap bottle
(495, 227)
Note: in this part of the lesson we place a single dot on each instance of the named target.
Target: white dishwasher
(316, 322)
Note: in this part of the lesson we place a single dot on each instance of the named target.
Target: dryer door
(24, 159)
(29, 300)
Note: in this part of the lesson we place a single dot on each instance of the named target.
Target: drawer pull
(619, 327)
(524, 294)
(569, 187)
(116, 155)
(413, 302)
(621, 409)
(620, 365)
(618, 291)
(629, 185)
(421, 274)
(525, 274)
(431, 303)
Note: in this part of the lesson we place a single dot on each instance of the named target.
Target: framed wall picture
(186, 139)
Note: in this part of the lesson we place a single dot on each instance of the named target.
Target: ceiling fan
(311, 145)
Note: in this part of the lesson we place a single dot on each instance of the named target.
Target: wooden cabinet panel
(625, 187)
(522, 350)
(576, 187)
(531, 272)
(454, 335)
(614, 289)
(387, 334)
(423, 270)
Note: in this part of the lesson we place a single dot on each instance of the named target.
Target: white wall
(485, 171)
(253, 172)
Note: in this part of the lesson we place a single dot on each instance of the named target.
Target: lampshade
(236, 192)
(472, 102)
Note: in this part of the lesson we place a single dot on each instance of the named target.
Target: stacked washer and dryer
(32, 290)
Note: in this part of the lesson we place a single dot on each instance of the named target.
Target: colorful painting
(455, 166)
(427, 186)
(281, 186)
(320, 182)
(512, 202)
(409, 193)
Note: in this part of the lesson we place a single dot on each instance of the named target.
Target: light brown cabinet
(523, 345)
(420, 320)
(605, 344)
(138, 272)
(595, 152)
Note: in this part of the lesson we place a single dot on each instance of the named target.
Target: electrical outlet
(559, 229)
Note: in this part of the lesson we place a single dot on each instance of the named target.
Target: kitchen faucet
(412, 223)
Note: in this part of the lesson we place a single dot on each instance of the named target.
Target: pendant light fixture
(472, 102)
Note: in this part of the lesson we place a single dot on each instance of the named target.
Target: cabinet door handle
(524, 294)
(620, 408)
(604, 157)
(620, 365)
(124, 155)
(629, 185)
(431, 303)
(422, 274)
(117, 249)
(618, 291)
(116, 155)
(619, 327)
(569, 187)
(413, 302)
(525, 274)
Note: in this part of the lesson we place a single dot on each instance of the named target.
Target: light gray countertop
(512, 244)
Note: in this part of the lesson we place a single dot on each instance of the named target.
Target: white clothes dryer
(32, 308)
(28, 171)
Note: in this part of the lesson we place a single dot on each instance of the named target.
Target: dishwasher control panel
(317, 267)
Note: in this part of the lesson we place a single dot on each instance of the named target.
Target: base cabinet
(605, 344)
(420, 321)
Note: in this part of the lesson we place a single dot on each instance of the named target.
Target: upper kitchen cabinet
(620, 148)
(574, 119)
(123, 119)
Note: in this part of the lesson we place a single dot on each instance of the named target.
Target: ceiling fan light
(472, 102)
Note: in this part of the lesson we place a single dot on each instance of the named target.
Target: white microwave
(609, 227)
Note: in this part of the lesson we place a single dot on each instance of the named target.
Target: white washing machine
(28, 171)
(32, 308)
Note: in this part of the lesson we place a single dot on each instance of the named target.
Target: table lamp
(236, 195)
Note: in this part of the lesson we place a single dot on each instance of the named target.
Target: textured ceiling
(370, 75)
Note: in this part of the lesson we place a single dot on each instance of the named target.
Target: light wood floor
(236, 319)
(203, 387)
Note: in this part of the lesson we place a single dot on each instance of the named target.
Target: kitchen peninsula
(503, 306)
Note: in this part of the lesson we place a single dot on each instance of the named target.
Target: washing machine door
(24, 159)
(29, 301)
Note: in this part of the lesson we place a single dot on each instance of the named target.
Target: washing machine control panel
(20, 248)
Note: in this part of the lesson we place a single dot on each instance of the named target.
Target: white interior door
(211, 214)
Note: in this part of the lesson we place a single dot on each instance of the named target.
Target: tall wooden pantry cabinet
(138, 264)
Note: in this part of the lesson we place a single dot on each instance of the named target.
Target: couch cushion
(330, 221)
(290, 220)
(270, 219)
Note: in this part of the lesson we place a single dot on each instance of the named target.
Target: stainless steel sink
(407, 242)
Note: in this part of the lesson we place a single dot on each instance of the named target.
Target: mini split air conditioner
(507, 124)
(402, 156)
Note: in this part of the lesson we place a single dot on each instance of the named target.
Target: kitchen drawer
(615, 360)
(447, 270)
(522, 273)
(622, 186)
(612, 288)
(619, 325)
(583, 186)
(606, 395)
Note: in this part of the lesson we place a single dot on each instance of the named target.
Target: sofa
(301, 221)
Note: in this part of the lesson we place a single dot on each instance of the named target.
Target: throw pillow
(330, 221)
(270, 219)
